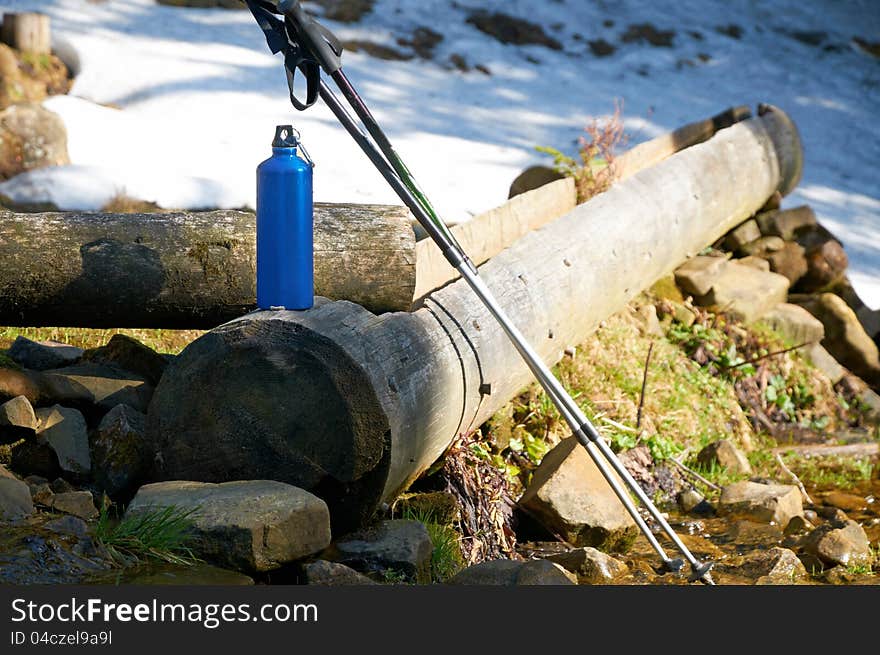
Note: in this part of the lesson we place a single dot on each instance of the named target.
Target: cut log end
(285, 404)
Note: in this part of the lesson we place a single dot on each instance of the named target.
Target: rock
(68, 524)
(322, 572)
(19, 383)
(17, 420)
(839, 542)
(794, 323)
(692, 501)
(774, 566)
(778, 503)
(646, 32)
(785, 223)
(790, 261)
(121, 458)
(509, 29)
(509, 573)
(755, 262)
(649, 322)
(96, 384)
(696, 276)
(826, 266)
(398, 545)
(762, 247)
(569, 495)
(77, 503)
(6, 473)
(533, 178)
(197, 575)
(590, 565)
(742, 234)
(61, 486)
(43, 355)
(601, 48)
(15, 500)
(130, 355)
(683, 314)
(423, 42)
(756, 534)
(253, 525)
(845, 338)
(65, 431)
(438, 507)
(821, 359)
(846, 502)
(742, 291)
(346, 11)
(32, 137)
(798, 525)
(42, 494)
(666, 288)
(870, 318)
(724, 454)
(542, 572)
(35, 458)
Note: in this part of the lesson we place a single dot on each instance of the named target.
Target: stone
(570, 497)
(762, 247)
(821, 359)
(17, 420)
(510, 573)
(794, 323)
(97, 384)
(65, 431)
(322, 572)
(401, 546)
(785, 223)
(591, 566)
(826, 266)
(35, 458)
(778, 503)
(870, 318)
(838, 542)
(798, 525)
(346, 11)
(845, 338)
(440, 507)
(509, 29)
(32, 137)
(61, 486)
(129, 354)
(665, 288)
(43, 355)
(683, 314)
(649, 322)
(533, 178)
(845, 501)
(692, 501)
(774, 566)
(197, 575)
(725, 454)
(68, 524)
(42, 494)
(77, 503)
(247, 525)
(15, 500)
(745, 292)
(755, 262)
(756, 534)
(6, 473)
(742, 234)
(696, 276)
(121, 458)
(789, 261)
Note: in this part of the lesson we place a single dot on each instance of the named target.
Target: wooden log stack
(355, 406)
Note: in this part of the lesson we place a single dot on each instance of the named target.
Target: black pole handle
(314, 38)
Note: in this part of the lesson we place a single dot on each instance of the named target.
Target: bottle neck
(285, 151)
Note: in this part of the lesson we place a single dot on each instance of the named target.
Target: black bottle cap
(285, 137)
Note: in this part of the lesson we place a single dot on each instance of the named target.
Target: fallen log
(354, 406)
(187, 269)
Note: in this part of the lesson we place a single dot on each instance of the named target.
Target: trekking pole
(309, 48)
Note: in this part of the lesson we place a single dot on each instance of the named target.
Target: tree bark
(187, 270)
(27, 32)
(355, 406)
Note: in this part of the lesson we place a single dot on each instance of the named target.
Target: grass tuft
(159, 533)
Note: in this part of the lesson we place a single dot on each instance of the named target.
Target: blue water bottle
(285, 259)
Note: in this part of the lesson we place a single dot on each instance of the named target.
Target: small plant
(593, 169)
(446, 558)
(159, 533)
